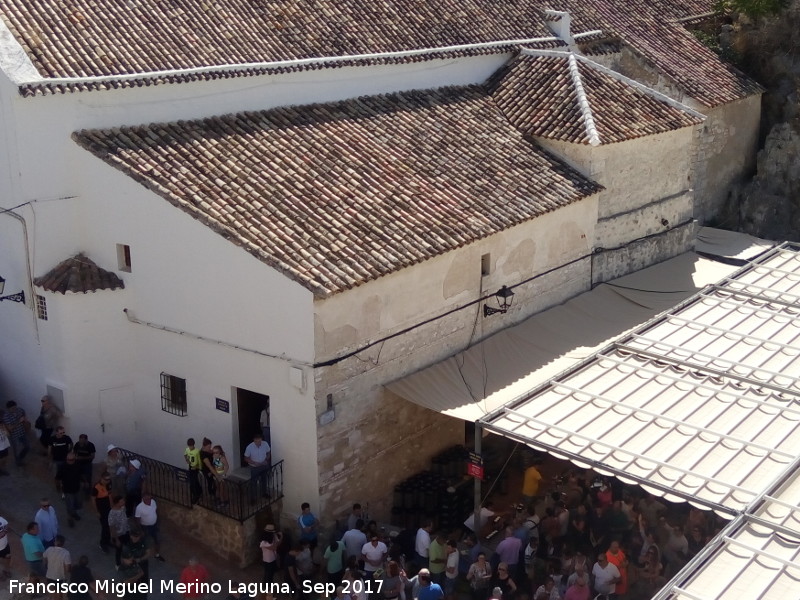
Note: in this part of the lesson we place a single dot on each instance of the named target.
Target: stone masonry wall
(642, 253)
(364, 454)
(725, 156)
(725, 145)
(234, 542)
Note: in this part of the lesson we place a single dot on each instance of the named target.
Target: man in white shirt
(354, 540)
(605, 576)
(5, 550)
(451, 569)
(374, 553)
(147, 516)
(423, 543)
(57, 561)
(258, 455)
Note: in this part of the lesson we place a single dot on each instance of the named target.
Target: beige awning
(516, 360)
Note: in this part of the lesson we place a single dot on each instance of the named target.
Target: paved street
(19, 500)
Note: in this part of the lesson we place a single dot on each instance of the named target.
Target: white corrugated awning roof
(512, 362)
(758, 553)
(702, 404)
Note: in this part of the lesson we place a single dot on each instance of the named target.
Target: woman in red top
(194, 576)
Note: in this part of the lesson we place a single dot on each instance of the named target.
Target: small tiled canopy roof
(78, 274)
(334, 195)
(541, 96)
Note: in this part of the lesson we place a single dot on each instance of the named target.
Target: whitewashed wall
(187, 278)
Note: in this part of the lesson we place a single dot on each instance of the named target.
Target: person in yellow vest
(192, 457)
(530, 485)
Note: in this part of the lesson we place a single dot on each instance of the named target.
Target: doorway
(250, 406)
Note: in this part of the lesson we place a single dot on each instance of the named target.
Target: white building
(290, 216)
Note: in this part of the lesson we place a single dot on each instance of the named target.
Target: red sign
(475, 470)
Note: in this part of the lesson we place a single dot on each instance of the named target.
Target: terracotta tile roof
(334, 195)
(78, 274)
(541, 97)
(650, 29)
(95, 38)
(103, 37)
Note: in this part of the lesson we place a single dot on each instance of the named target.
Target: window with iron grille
(41, 307)
(173, 395)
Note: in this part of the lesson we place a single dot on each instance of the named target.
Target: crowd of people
(580, 538)
(587, 538)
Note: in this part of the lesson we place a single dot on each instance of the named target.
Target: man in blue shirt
(34, 550)
(309, 526)
(428, 590)
(47, 522)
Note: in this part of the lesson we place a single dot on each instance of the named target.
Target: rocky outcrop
(770, 203)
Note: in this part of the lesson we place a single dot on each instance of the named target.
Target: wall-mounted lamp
(20, 297)
(504, 299)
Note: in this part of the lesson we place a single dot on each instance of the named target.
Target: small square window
(124, 257)
(41, 307)
(173, 395)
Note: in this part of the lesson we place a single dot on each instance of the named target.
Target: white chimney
(558, 21)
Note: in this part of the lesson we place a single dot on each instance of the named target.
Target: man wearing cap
(134, 486)
(269, 551)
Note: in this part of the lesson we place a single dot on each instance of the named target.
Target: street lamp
(19, 297)
(504, 299)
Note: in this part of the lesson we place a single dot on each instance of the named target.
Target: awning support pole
(477, 497)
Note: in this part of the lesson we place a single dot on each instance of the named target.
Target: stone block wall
(232, 541)
(377, 440)
(724, 157)
(642, 253)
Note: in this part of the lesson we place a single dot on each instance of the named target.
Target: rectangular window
(41, 307)
(486, 265)
(173, 395)
(124, 257)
